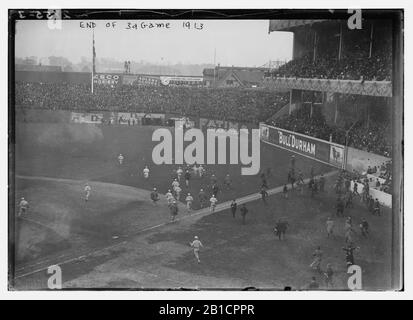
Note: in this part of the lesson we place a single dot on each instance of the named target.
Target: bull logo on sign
(165, 80)
(265, 132)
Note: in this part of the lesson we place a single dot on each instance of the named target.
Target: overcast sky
(240, 43)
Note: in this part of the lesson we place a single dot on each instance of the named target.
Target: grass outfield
(92, 155)
(236, 256)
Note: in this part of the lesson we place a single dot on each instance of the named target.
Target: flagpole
(215, 57)
(93, 56)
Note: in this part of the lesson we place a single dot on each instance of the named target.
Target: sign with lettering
(107, 79)
(317, 149)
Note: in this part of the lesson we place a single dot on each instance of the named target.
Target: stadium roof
(287, 25)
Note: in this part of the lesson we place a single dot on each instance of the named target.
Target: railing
(368, 88)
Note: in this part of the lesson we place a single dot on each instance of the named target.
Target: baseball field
(119, 239)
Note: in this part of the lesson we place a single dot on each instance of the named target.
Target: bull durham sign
(290, 140)
(323, 151)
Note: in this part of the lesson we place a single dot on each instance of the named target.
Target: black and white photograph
(227, 149)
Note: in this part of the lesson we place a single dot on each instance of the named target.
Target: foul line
(199, 213)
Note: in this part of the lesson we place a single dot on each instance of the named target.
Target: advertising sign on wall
(317, 149)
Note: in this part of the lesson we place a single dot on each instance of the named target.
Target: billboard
(141, 80)
(181, 80)
(95, 118)
(220, 124)
(110, 79)
(320, 150)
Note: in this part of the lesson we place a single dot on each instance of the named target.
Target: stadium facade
(318, 40)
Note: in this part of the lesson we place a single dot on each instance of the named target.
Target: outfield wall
(326, 152)
(320, 150)
(39, 115)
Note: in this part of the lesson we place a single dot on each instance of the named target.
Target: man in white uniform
(196, 244)
(213, 202)
(175, 184)
(178, 191)
(179, 173)
(169, 197)
(88, 189)
(146, 172)
(201, 171)
(23, 206)
(189, 199)
(120, 159)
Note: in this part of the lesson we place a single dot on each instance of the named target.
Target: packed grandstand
(237, 104)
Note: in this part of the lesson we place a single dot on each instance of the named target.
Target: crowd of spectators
(327, 66)
(233, 104)
(236, 104)
(377, 177)
(374, 137)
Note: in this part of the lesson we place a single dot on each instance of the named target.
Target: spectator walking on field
(340, 207)
(233, 208)
(213, 180)
(349, 251)
(376, 208)
(280, 229)
(355, 189)
(187, 178)
(215, 190)
(329, 276)
(322, 183)
(285, 192)
(227, 182)
(154, 196)
(244, 212)
(264, 195)
(174, 210)
(318, 255)
(364, 227)
(202, 198)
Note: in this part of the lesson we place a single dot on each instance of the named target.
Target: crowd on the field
(243, 105)
(328, 66)
(374, 138)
